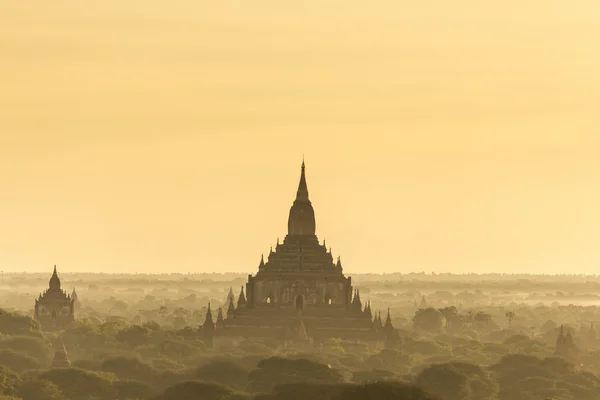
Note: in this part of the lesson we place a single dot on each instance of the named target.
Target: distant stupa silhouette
(61, 360)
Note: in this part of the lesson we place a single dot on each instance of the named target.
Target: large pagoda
(300, 285)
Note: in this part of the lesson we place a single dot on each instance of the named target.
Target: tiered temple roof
(300, 283)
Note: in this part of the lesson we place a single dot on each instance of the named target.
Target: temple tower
(300, 290)
(61, 360)
(54, 308)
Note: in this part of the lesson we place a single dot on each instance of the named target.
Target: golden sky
(153, 136)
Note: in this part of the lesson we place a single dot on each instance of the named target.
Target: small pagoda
(61, 360)
(54, 309)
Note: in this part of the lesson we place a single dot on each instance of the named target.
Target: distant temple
(54, 309)
(61, 360)
(565, 345)
(300, 292)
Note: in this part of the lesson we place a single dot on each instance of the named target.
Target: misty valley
(456, 337)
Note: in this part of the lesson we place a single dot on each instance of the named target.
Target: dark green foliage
(9, 381)
(528, 377)
(134, 335)
(383, 391)
(428, 320)
(224, 372)
(457, 381)
(303, 391)
(129, 368)
(131, 390)
(371, 376)
(192, 390)
(18, 362)
(81, 385)
(278, 371)
(391, 360)
(40, 389)
(17, 324)
(33, 347)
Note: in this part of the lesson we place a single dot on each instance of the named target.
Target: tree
(509, 316)
(442, 381)
(129, 368)
(278, 371)
(382, 390)
(132, 390)
(303, 391)
(40, 389)
(134, 335)
(18, 362)
(429, 320)
(192, 390)
(452, 318)
(34, 347)
(79, 384)
(482, 318)
(9, 381)
(224, 372)
(16, 324)
(374, 375)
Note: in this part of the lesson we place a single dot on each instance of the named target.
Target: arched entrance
(299, 303)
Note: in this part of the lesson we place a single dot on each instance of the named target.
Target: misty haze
(288, 201)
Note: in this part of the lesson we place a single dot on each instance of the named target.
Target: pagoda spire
(231, 309)
(209, 318)
(302, 193)
(54, 280)
(388, 327)
(301, 220)
(220, 321)
(241, 299)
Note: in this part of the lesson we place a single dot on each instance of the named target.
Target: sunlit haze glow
(153, 136)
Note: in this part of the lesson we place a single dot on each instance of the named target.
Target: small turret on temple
(230, 295)
(300, 278)
(231, 308)
(54, 308)
(241, 299)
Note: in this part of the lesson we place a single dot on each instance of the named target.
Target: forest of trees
(475, 338)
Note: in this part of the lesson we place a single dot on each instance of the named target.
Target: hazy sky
(164, 136)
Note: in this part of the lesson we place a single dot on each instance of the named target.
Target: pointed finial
(302, 160)
(54, 268)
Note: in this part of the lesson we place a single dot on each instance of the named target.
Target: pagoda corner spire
(242, 298)
(208, 322)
